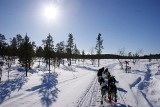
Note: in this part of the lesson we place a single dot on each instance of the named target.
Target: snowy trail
(74, 90)
(89, 97)
(92, 96)
(77, 86)
(63, 88)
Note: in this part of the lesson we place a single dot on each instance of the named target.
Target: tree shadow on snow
(48, 90)
(137, 81)
(8, 86)
(37, 69)
(137, 72)
(21, 69)
(145, 83)
(122, 90)
(68, 68)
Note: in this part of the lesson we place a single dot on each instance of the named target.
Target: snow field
(77, 86)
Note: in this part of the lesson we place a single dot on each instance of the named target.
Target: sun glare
(50, 12)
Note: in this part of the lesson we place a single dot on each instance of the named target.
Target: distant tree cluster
(26, 51)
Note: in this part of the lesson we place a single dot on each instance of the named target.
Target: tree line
(26, 51)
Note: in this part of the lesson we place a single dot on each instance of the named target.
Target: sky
(124, 24)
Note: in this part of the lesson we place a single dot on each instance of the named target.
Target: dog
(104, 89)
(112, 92)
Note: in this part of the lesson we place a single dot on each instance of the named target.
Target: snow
(77, 86)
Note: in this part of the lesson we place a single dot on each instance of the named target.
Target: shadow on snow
(147, 77)
(121, 89)
(68, 68)
(8, 86)
(49, 91)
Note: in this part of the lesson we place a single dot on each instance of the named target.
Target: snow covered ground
(77, 86)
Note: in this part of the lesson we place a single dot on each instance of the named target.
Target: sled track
(111, 66)
(88, 99)
(121, 97)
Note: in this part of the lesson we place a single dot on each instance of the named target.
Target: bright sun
(50, 12)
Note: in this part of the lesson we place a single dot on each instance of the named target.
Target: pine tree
(83, 53)
(60, 47)
(99, 47)
(39, 53)
(48, 49)
(13, 46)
(19, 40)
(70, 46)
(26, 53)
(33, 54)
(60, 50)
(3, 46)
(75, 52)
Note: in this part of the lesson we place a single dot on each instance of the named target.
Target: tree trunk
(26, 67)
(39, 63)
(29, 64)
(98, 62)
(49, 65)
(70, 61)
